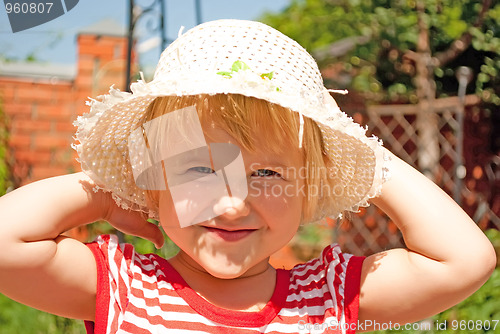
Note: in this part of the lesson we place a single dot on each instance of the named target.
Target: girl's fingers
(134, 223)
(142, 229)
(152, 233)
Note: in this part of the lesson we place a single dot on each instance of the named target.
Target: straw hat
(238, 57)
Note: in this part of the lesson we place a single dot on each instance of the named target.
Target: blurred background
(421, 74)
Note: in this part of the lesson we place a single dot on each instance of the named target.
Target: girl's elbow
(482, 263)
(490, 260)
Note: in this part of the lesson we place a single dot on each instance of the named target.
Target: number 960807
(474, 324)
(28, 7)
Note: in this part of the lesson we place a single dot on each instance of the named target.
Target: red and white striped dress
(144, 294)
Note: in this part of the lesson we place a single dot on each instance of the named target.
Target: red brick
(43, 92)
(6, 81)
(52, 112)
(19, 140)
(33, 157)
(86, 40)
(63, 86)
(37, 108)
(107, 43)
(80, 110)
(7, 92)
(70, 108)
(29, 126)
(86, 58)
(84, 81)
(82, 95)
(67, 98)
(35, 93)
(89, 49)
(15, 109)
(44, 141)
(61, 91)
(43, 172)
(85, 64)
(113, 39)
(85, 72)
(75, 165)
(64, 127)
(105, 54)
(81, 98)
(24, 93)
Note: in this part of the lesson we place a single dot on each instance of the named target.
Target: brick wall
(41, 110)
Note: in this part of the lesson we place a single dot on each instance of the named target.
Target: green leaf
(225, 74)
(267, 75)
(239, 65)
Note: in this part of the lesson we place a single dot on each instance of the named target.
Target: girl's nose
(231, 207)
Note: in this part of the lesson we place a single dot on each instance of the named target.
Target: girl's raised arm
(446, 260)
(40, 267)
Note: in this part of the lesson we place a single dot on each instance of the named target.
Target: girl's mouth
(227, 235)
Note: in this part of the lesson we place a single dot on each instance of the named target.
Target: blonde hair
(238, 115)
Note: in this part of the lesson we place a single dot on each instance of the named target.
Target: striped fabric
(142, 294)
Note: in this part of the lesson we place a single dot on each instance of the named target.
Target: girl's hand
(131, 222)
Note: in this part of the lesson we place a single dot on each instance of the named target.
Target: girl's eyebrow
(190, 157)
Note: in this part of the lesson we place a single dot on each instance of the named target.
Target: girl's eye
(266, 173)
(201, 169)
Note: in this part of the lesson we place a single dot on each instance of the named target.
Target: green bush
(5, 180)
(17, 318)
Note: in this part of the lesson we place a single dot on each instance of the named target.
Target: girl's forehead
(265, 150)
(215, 132)
(252, 124)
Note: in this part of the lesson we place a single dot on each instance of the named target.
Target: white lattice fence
(398, 126)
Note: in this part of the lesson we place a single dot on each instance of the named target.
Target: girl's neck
(250, 292)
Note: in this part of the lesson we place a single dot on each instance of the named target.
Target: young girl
(232, 146)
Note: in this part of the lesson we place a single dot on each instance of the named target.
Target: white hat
(230, 57)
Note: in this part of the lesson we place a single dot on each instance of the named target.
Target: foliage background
(377, 35)
(5, 179)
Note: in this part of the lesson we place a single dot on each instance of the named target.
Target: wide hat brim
(357, 161)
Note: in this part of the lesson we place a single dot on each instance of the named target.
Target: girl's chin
(225, 271)
(226, 275)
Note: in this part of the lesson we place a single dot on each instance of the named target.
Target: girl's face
(240, 239)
